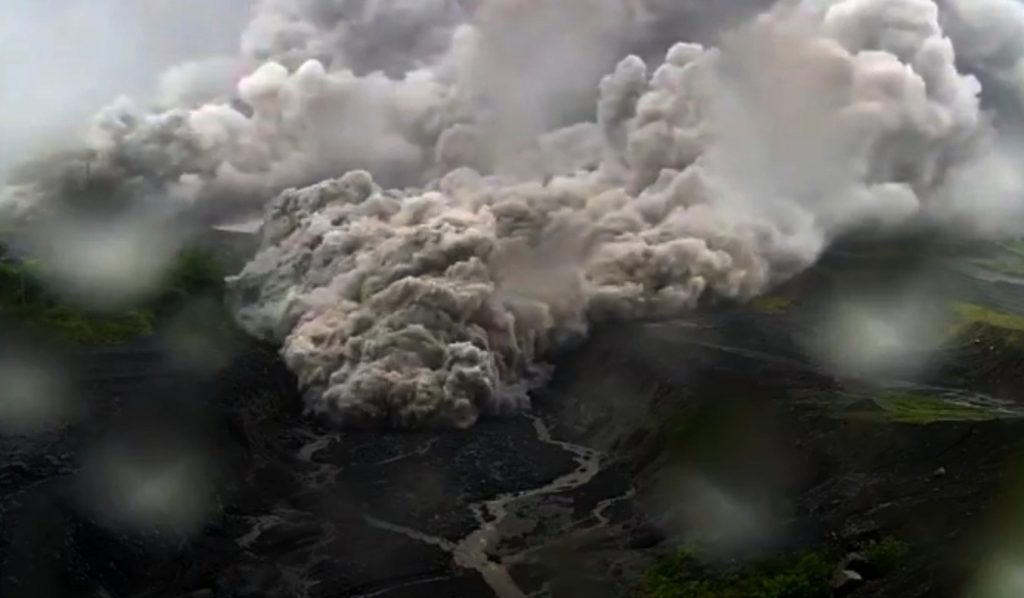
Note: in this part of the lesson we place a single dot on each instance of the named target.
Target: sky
(64, 59)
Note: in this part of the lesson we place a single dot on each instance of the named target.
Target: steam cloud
(507, 210)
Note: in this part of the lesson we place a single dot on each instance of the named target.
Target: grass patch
(1012, 265)
(684, 576)
(83, 328)
(886, 555)
(772, 304)
(971, 314)
(1007, 259)
(976, 325)
(911, 408)
(193, 273)
(25, 299)
(897, 407)
(1016, 246)
(989, 348)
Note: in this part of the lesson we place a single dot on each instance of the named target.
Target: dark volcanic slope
(717, 431)
(298, 511)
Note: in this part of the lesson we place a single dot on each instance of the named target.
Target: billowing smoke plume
(406, 90)
(398, 87)
(64, 59)
(530, 208)
(723, 171)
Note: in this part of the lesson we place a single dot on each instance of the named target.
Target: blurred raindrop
(104, 263)
(199, 338)
(148, 487)
(879, 334)
(34, 397)
(1003, 579)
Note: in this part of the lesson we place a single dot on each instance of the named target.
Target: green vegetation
(1012, 265)
(808, 575)
(886, 555)
(900, 407)
(972, 314)
(93, 329)
(989, 345)
(999, 333)
(194, 273)
(683, 576)
(1016, 246)
(1009, 259)
(24, 299)
(912, 408)
(772, 304)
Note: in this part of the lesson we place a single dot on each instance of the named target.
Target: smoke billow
(325, 86)
(64, 59)
(503, 196)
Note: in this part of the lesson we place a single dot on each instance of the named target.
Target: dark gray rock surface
(646, 431)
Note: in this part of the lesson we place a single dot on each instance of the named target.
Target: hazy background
(64, 59)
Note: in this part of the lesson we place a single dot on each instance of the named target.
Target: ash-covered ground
(721, 434)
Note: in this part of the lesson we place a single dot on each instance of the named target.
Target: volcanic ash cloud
(495, 208)
(721, 173)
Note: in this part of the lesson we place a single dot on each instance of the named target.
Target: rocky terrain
(709, 456)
